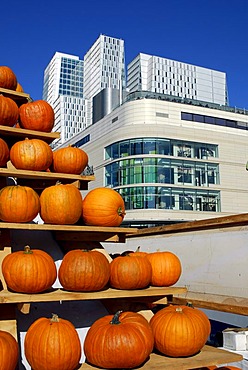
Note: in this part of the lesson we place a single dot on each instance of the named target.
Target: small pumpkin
(19, 87)
(8, 111)
(124, 340)
(84, 270)
(31, 154)
(37, 115)
(52, 344)
(103, 207)
(130, 272)
(18, 204)
(4, 153)
(9, 351)
(61, 204)
(180, 331)
(70, 160)
(8, 78)
(29, 271)
(166, 268)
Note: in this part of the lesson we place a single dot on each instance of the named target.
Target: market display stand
(77, 234)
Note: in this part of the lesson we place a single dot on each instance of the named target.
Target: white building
(166, 76)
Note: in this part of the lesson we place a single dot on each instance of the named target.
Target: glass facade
(71, 77)
(154, 164)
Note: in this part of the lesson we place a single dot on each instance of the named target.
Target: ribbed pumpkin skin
(70, 160)
(37, 115)
(103, 207)
(166, 268)
(180, 331)
(31, 154)
(7, 78)
(117, 346)
(29, 271)
(4, 153)
(61, 204)
(130, 272)
(8, 111)
(52, 345)
(84, 271)
(8, 351)
(18, 204)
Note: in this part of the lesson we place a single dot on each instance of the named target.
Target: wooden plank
(206, 357)
(14, 134)
(206, 224)
(19, 97)
(10, 326)
(62, 295)
(235, 305)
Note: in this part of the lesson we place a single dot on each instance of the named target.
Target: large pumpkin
(130, 272)
(8, 111)
(84, 270)
(8, 351)
(103, 207)
(37, 115)
(52, 344)
(18, 204)
(61, 204)
(70, 160)
(4, 153)
(31, 154)
(124, 340)
(166, 268)
(29, 271)
(180, 331)
(8, 78)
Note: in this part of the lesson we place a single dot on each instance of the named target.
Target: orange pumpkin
(180, 331)
(31, 154)
(4, 153)
(19, 88)
(124, 340)
(61, 204)
(18, 204)
(84, 270)
(130, 272)
(37, 115)
(7, 78)
(166, 268)
(8, 111)
(103, 207)
(70, 160)
(8, 351)
(52, 344)
(29, 271)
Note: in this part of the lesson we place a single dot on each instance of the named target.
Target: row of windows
(177, 148)
(214, 120)
(152, 197)
(160, 170)
(83, 141)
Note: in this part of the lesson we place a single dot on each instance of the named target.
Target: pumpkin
(37, 115)
(7, 78)
(29, 271)
(8, 351)
(180, 331)
(4, 153)
(31, 154)
(61, 204)
(8, 111)
(130, 272)
(19, 88)
(103, 207)
(52, 344)
(84, 270)
(166, 268)
(70, 160)
(124, 340)
(18, 204)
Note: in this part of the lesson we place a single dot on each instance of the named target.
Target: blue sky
(207, 33)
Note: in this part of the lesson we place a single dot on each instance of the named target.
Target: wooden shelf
(14, 134)
(19, 97)
(207, 357)
(63, 295)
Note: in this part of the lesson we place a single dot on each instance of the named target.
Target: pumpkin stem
(138, 249)
(121, 212)
(179, 309)
(189, 304)
(115, 320)
(54, 318)
(27, 250)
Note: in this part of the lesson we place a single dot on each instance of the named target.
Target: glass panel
(136, 147)
(149, 146)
